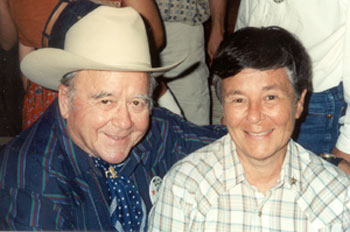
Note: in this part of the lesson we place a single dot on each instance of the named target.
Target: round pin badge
(154, 187)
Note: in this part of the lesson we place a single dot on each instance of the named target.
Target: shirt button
(278, 1)
(329, 116)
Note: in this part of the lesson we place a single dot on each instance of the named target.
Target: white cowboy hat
(107, 38)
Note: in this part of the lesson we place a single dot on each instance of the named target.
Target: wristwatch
(331, 158)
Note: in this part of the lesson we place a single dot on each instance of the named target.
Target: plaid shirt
(48, 183)
(208, 191)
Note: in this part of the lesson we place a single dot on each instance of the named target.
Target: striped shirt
(208, 191)
(49, 183)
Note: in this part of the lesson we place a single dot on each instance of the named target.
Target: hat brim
(47, 66)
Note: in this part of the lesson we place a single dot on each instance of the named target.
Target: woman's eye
(234, 99)
(271, 97)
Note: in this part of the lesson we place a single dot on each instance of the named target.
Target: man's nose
(121, 117)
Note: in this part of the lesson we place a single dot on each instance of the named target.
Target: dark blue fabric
(49, 183)
(72, 13)
(319, 130)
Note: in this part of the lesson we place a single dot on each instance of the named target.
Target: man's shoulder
(163, 113)
(31, 154)
(34, 139)
(28, 152)
(163, 120)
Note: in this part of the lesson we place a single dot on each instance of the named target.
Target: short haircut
(262, 49)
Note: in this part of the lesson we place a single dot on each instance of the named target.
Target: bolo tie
(126, 205)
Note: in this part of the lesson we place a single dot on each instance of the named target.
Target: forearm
(149, 10)
(8, 35)
(22, 52)
(217, 29)
(342, 149)
(218, 13)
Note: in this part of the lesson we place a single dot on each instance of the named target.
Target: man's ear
(63, 101)
(300, 104)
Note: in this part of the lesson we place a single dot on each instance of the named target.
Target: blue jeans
(318, 129)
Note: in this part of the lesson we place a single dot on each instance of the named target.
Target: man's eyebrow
(101, 95)
(144, 96)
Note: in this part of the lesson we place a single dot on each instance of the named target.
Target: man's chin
(114, 157)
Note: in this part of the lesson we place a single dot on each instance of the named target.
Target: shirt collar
(291, 169)
(81, 161)
(231, 164)
(290, 175)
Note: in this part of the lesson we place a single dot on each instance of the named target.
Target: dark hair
(262, 49)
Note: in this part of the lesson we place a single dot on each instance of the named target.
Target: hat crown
(111, 38)
(107, 38)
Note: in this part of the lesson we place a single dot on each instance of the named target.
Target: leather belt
(51, 21)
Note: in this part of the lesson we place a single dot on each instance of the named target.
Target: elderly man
(94, 160)
(256, 178)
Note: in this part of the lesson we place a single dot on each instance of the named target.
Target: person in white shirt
(324, 29)
(256, 178)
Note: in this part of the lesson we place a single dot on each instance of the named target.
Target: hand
(341, 154)
(215, 38)
(345, 166)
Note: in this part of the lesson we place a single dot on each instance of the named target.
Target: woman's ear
(300, 104)
(223, 121)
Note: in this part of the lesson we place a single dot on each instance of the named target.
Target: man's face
(260, 109)
(108, 113)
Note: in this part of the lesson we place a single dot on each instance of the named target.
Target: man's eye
(139, 103)
(238, 100)
(105, 102)
(136, 103)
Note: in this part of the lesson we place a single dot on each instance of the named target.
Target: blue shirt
(49, 183)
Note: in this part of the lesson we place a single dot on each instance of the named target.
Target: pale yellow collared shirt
(208, 191)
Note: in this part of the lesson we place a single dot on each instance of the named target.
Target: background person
(184, 34)
(11, 92)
